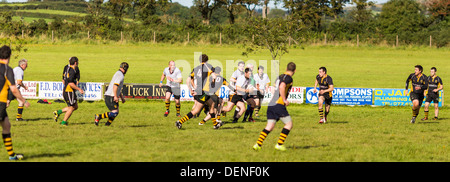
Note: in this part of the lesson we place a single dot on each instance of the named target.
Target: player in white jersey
(236, 74)
(262, 85)
(237, 99)
(174, 78)
(112, 94)
(18, 78)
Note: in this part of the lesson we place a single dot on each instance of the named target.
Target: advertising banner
(54, 90)
(397, 97)
(343, 96)
(31, 93)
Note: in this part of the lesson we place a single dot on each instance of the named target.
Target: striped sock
(19, 111)
(178, 106)
(186, 118)
(321, 113)
(214, 119)
(167, 105)
(110, 120)
(8, 144)
(104, 115)
(426, 114)
(284, 133)
(262, 137)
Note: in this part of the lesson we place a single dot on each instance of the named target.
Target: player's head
(217, 70)
(291, 67)
(23, 63)
(5, 52)
(241, 65)
(433, 71)
(322, 71)
(171, 65)
(250, 65)
(247, 72)
(204, 58)
(260, 70)
(124, 66)
(418, 69)
(73, 61)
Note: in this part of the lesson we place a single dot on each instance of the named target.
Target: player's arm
(115, 87)
(407, 83)
(122, 98)
(282, 89)
(330, 88)
(75, 87)
(162, 79)
(315, 86)
(19, 82)
(13, 88)
(239, 88)
(440, 87)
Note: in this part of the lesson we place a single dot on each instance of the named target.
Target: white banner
(54, 90)
(31, 92)
(296, 94)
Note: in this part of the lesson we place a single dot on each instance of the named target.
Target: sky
(189, 3)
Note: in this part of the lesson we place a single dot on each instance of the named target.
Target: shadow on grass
(305, 147)
(47, 155)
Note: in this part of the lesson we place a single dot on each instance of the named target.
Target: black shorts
(236, 98)
(433, 97)
(70, 98)
(11, 95)
(109, 101)
(175, 91)
(202, 98)
(417, 96)
(259, 95)
(328, 97)
(276, 112)
(3, 113)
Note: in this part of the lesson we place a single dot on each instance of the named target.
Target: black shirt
(5, 81)
(434, 83)
(69, 77)
(417, 81)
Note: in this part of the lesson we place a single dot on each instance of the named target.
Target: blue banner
(343, 96)
(396, 97)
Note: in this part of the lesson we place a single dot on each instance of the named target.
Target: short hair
(5, 52)
(23, 61)
(291, 66)
(217, 69)
(434, 68)
(73, 60)
(419, 67)
(323, 69)
(204, 58)
(247, 70)
(241, 62)
(171, 61)
(125, 66)
(260, 67)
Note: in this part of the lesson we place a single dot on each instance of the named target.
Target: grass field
(141, 133)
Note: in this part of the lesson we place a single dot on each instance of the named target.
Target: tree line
(237, 21)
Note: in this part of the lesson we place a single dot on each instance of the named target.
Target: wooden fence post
(325, 39)
(88, 35)
(220, 38)
(52, 36)
(154, 37)
(121, 36)
(430, 41)
(396, 41)
(357, 40)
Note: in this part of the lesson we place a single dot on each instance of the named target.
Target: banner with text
(54, 90)
(343, 96)
(31, 92)
(397, 97)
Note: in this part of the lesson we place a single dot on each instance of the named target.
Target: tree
(206, 8)
(250, 6)
(403, 18)
(271, 34)
(438, 8)
(232, 6)
(361, 14)
(118, 7)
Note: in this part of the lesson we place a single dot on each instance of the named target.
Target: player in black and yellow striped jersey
(277, 109)
(7, 82)
(419, 84)
(326, 86)
(201, 76)
(69, 94)
(434, 86)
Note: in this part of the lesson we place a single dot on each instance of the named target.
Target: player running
(434, 86)
(18, 78)
(326, 87)
(112, 95)
(174, 78)
(6, 82)
(69, 94)
(237, 99)
(262, 85)
(419, 84)
(277, 109)
(201, 75)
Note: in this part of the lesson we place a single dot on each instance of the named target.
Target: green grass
(141, 133)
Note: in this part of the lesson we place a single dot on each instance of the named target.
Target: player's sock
(203, 121)
(178, 106)
(257, 110)
(59, 111)
(8, 144)
(426, 114)
(415, 112)
(283, 135)
(321, 113)
(110, 120)
(19, 111)
(326, 114)
(262, 137)
(218, 116)
(213, 118)
(167, 104)
(104, 115)
(186, 118)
